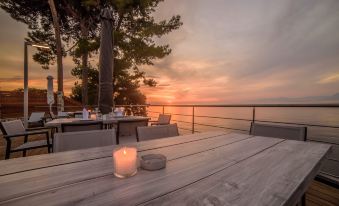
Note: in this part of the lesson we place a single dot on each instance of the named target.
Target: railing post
(163, 109)
(193, 120)
(253, 115)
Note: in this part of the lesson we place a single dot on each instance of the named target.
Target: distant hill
(309, 99)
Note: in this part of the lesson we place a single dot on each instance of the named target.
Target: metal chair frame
(26, 134)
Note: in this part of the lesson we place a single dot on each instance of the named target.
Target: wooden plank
(18, 184)
(147, 185)
(47, 160)
(319, 191)
(277, 176)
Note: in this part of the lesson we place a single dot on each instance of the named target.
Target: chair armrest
(37, 128)
(14, 135)
(26, 134)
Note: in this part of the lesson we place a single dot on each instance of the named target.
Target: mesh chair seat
(33, 144)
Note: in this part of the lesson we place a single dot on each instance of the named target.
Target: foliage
(134, 46)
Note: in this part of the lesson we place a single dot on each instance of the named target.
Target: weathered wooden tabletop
(113, 120)
(211, 168)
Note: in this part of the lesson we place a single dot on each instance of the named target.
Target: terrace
(95, 140)
(193, 119)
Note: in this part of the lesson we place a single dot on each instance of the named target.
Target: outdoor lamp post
(26, 44)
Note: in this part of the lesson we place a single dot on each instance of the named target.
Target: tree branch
(70, 10)
(121, 16)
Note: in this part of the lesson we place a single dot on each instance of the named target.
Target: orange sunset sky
(226, 52)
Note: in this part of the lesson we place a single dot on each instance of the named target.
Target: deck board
(320, 194)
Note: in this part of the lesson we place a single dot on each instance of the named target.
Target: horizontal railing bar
(233, 105)
(184, 128)
(185, 115)
(301, 124)
(181, 121)
(231, 118)
(222, 127)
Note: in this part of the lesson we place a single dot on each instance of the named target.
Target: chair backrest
(129, 127)
(12, 127)
(279, 131)
(164, 119)
(81, 126)
(82, 140)
(36, 116)
(155, 132)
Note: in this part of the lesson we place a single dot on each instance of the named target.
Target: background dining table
(212, 168)
(107, 121)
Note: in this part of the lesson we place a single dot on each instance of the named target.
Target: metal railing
(253, 118)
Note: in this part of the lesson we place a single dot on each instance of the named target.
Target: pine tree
(134, 46)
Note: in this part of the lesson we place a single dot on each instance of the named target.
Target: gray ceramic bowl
(153, 162)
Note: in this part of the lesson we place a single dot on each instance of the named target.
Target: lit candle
(125, 162)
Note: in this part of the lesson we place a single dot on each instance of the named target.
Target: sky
(227, 51)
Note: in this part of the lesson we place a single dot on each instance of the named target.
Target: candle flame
(124, 151)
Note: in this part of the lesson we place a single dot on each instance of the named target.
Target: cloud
(231, 52)
(243, 50)
(330, 79)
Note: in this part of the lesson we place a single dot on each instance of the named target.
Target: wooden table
(211, 168)
(109, 121)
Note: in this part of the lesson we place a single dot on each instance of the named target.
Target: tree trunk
(84, 59)
(59, 52)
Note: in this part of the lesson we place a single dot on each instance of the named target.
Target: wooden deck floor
(318, 194)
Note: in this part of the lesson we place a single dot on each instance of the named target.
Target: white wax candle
(125, 162)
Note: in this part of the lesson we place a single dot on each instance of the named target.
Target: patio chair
(163, 119)
(15, 129)
(84, 139)
(36, 119)
(129, 128)
(155, 132)
(279, 131)
(81, 126)
(283, 132)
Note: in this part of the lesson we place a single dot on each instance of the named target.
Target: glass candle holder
(125, 162)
